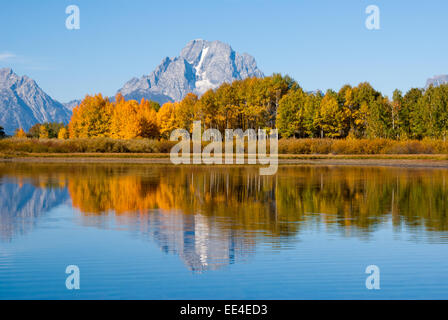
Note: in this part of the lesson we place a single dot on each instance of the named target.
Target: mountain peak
(200, 66)
(23, 103)
(7, 77)
(5, 72)
(437, 80)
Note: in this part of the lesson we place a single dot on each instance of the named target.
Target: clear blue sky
(321, 44)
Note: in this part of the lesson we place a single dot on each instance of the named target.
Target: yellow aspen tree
(63, 134)
(332, 117)
(148, 127)
(20, 133)
(91, 118)
(43, 132)
(166, 119)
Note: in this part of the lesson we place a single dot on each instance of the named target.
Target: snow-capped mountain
(23, 103)
(437, 80)
(201, 65)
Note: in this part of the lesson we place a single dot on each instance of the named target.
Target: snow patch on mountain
(201, 65)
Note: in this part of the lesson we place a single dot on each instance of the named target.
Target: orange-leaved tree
(20, 133)
(166, 119)
(133, 120)
(91, 118)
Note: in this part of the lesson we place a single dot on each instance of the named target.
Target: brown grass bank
(287, 147)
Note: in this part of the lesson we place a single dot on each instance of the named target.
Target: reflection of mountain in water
(200, 241)
(21, 206)
(214, 216)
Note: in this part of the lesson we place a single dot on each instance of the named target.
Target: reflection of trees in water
(189, 215)
(343, 197)
(364, 197)
(216, 214)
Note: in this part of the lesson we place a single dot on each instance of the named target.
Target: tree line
(363, 112)
(265, 103)
(47, 130)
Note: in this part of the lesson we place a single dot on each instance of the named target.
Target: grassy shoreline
(286, 147)
(385, 152)
(112, 155)
(402, 161)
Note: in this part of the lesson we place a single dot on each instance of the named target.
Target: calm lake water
(169, 232)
